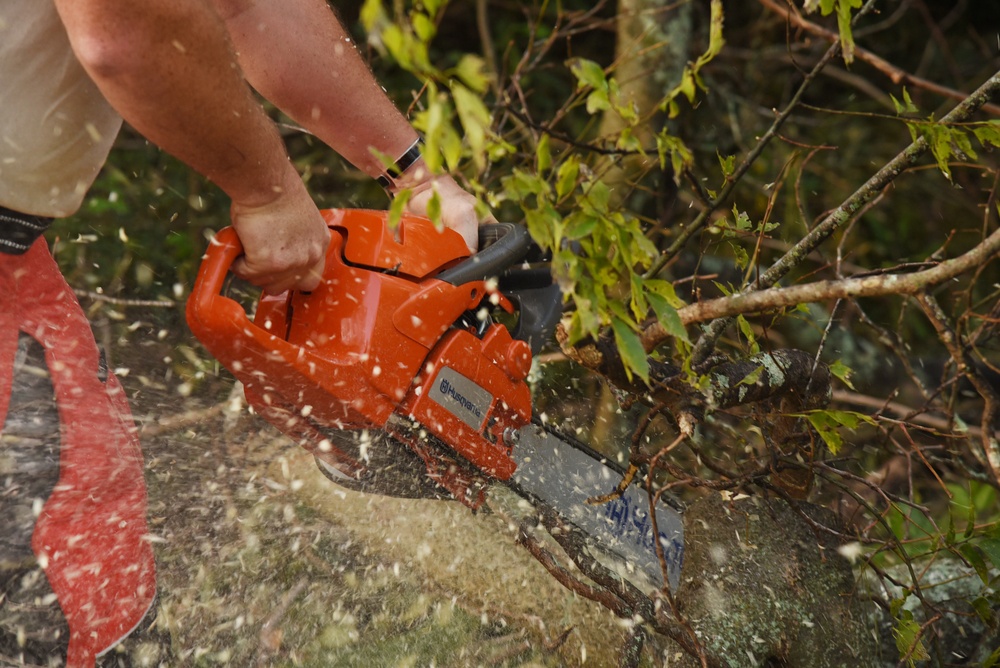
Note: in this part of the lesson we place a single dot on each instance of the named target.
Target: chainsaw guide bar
(395, 375)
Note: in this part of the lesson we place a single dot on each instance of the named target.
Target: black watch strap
(403, 163)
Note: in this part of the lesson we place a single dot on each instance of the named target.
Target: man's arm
(298, 55)
(168, 67)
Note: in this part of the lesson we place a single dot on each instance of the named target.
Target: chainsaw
(405, 374)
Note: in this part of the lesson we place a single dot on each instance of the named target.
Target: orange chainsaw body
(380, 336)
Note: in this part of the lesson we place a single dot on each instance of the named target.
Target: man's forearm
(168, 68)
(297, 54)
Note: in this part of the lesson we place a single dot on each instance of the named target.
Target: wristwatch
(403, 163)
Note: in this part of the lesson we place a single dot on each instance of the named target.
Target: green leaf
(588, 73)
(970, 526)
(724, 288)
(747, 332)
(665, 289)
(896, 605)
(765, 228)
(627, 141)
(598, 101)
(542, 225)
(432, 6)
(451, 148)
(984, 609)
(691, 79)
(843, 372)
(434, 123)
(940, 141)
(543, 154)
(627, 109)
(522, 184)
(741, 220)
(993, 659)
(687, 85)
(991, 548)
(471, 70)
(844, 27)
(752, 377)
(580, 225)
(740, 256)
(630, 347)
(985, 498)
(906, 106)
(397, 206)
(900, 109)
(639, 302)
(397, 43)
(974, 556)
(850, 419)
(680, 156)
(828, 423)
(566, 176)
(373, 16)
(584, 321)
(667, 316)
(988, 133)
(908, 640)
(715, 37)
(728, 165)
(434, 209)
(831, 437)
(598, 196)
(475, 119)
(423, 26)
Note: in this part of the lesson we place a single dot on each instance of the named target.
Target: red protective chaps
(90, 533)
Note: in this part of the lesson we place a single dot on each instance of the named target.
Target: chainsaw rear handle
(215, 318)
(503, 244)
(223, 249)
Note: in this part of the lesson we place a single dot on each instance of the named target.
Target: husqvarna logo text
(463, 398)
(448, 389)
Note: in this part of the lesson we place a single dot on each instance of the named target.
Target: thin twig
(120, 301)
(990, 457)
(705, 215)
(896, 74)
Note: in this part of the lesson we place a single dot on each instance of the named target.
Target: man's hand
(458, 207)
(284, 241)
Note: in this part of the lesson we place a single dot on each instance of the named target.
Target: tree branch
(868, 286)
(839, 216)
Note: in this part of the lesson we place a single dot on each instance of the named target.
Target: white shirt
(56, 128)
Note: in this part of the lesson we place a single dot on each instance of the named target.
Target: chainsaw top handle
(502, 244)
